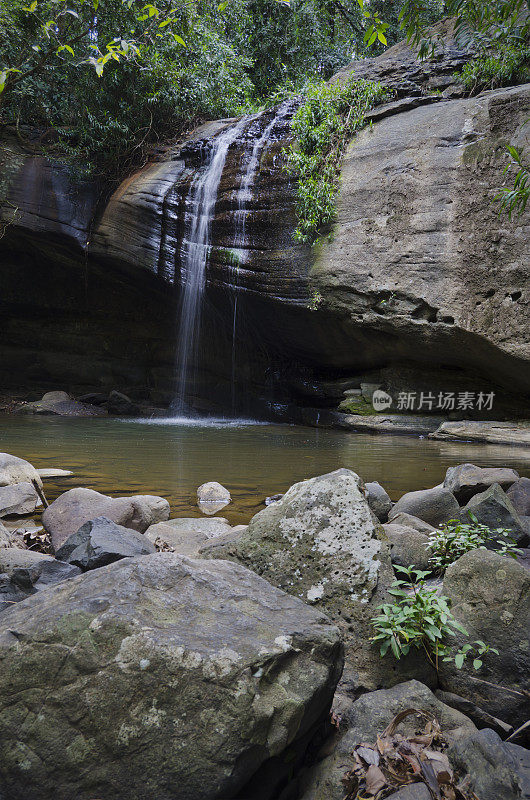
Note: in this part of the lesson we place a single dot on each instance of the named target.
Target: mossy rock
(357, 405)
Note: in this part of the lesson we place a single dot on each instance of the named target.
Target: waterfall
(201, 200)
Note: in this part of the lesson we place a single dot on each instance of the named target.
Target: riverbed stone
(490, 596)
(322, 543)
(18, 499)
(210, 527)
(100, 541)
(409, 521)
(489, 766)
(122, 405)
(407, 547)
(466, 480)
(434, 506)
(176, 539)
(76, 506)
(212, 497)
(515, 433)
(365, 718)
(17, 470)
(61, 404)
(519, 496)
(494, 509)
(154, 673)
(378, 500)
(31, 571)
(54, 472)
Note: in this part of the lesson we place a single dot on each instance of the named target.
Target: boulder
(494, 509)
(229, 538)
(175, 540)
(100, 541)
(322, 543)
(76, 506)
(158, 677)
(5, 537)
(490, 596)
(492, 772)
(18, 499)
(121, 405)
(10, 593)
(431, 505)
(378, 500)
(16, 470)
(514, 433)
(477, 715)
(519, 496)
(466, 480)
(54, 472)
(369, 716)
(408, 521)
(212, 497)
(408, 547)
(212, 527)
(415, 791)
(31, 571)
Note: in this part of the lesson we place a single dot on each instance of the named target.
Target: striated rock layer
(419, 277)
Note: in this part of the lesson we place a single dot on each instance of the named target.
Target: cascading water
(201, 201)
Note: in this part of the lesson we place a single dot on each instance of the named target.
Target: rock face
(75, 507)
(16, 470)
(321, 543)
(494, 509)
(490, 596)
(30, 571)
(466, 480)
(519, 496)
(158, 677)
(100, 542)
(433, 506)
(420, 270)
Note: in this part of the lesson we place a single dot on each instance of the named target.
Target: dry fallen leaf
(375, 780)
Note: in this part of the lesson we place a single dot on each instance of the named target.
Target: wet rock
(431, 505)
(477, 715)
(16, 470)
(370, 715)
(212, 497)
(494, 509)
(409, 521)
(176, 539)
(322, 543)
(122, 405)
(519, 496)
(517, 433)
(389, 423)
(467, 480)
(378, 500)
(76, 506)
(151, 674)
(491, 771)
(408, 547)
(100, 541)
(18, 499)
(62, 405)
(490, 597)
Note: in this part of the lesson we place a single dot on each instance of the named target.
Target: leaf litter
(396, 760)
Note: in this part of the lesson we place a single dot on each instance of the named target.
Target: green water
(252, 460)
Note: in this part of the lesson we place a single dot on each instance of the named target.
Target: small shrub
(499, 66)
(421, 619)
(456, 538)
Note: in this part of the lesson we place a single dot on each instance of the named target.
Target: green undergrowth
(327, 119)
(501, 66)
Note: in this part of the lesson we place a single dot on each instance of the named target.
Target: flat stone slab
(517, 433)
(53, 472)
(390, 423)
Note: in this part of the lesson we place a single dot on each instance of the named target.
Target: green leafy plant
(418, 619)
(476, 650)
(513, 199)
(328, 117)
(454, 538)
(315, 301)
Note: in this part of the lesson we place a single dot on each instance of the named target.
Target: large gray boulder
(75, 507)
(409, 521)
(25, 572)
(16, 470)
(100, 541)
(492, 771)
(490, 597)
(61, 404)
(6, 539)
(367, 717)
(378, 500)
(407, 547)
(176, 540)
(322, 543)
(466, 480)
(494, 509)
(158, 677)
(434, 506)
(519, 496)
(18, 499)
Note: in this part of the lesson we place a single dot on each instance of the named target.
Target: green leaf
(459, 660)
(395, 648)
(381, 37)
(477, 663)
(179, 40)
